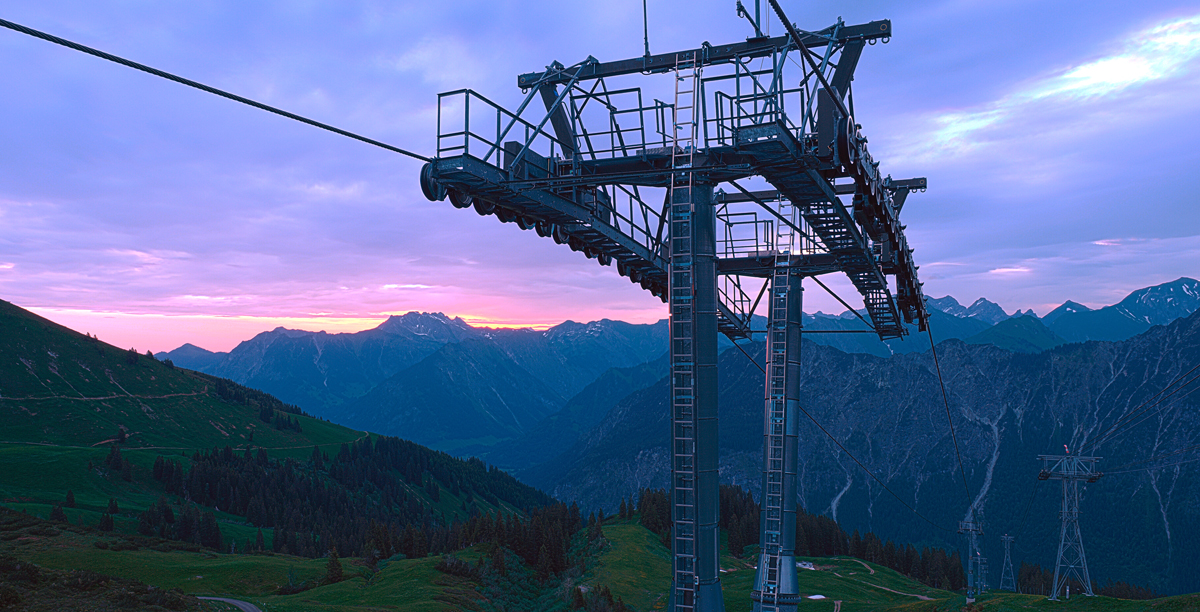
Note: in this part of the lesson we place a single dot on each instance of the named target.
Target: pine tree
(106, 522)
(210, 532)
(595, 531)
(497, 558)
(543, 563)
(58, 515)
(333, 567)
(114, 460)
(70, 503)
(736, 542)
(621, 510)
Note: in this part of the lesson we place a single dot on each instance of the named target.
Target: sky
(1059, 141)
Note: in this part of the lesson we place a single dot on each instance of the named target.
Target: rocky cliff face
(1007, 407)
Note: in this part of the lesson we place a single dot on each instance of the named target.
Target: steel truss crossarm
(721, 54)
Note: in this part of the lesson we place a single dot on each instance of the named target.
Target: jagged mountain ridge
(378, 378)
(471, 395)
(981, 309)
(321, 372)
(1008, 408)
(1136, 313)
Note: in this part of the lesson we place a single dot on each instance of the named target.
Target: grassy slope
(637, 568)
(59, 387)
(64, 396)
(410, 584)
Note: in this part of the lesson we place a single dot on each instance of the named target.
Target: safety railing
(470, 124)
(614, 123)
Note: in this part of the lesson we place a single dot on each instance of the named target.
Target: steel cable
(1123, 422)
(202, 87)
(946, 400)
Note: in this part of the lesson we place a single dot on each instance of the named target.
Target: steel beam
(776, 587)
(710, 55)
(764, 266)
(558, 118)
(695, 503)
(844, 73)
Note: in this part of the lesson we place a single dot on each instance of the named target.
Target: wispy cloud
(1116, 242)
(1160, 53)
(407, 286)
(1011, 270)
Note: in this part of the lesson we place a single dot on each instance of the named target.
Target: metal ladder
(777, 360)
(683, 357)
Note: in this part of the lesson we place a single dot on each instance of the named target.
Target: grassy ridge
(59, 387)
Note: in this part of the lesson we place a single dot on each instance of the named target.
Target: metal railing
(470, 124)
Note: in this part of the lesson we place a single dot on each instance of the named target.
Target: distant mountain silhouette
(1138, 312)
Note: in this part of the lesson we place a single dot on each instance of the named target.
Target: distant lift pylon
(586, 167)
(1071, 562)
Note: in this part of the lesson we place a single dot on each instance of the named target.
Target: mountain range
(432, 379)
(478, 391)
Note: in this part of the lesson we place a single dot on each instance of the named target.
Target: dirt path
(921, 597)
(244, 606)
(133, 448)
(864, 564)
(102, 398)
(837, 605)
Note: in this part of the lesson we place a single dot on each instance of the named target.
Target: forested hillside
(114, 439)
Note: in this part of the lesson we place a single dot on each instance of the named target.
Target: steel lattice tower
(581, 171)
(1007, 582)
(976, 564)
(1072, 561)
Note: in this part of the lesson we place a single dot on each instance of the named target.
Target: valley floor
(632, 564)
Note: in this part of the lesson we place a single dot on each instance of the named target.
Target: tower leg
(696, 585)
(775, 584)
